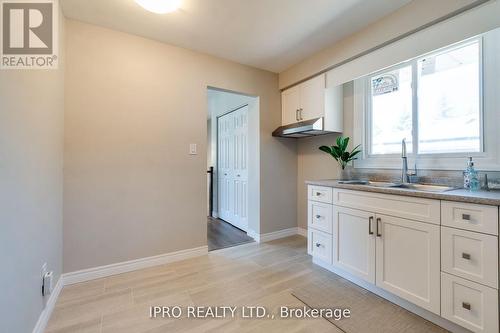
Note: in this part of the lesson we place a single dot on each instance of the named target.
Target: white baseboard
(43, 320)
(132, 265)
(277, 234)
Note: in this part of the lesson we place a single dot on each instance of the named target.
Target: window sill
(482, 162)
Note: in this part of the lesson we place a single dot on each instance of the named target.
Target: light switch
(193, 149)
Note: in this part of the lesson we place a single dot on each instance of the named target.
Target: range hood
(303, 129)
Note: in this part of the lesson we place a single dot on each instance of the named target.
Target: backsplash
(449, 178)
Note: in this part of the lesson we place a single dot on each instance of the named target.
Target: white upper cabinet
(290, 101)
(310, 100)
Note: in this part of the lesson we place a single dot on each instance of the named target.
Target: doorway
(230, 168)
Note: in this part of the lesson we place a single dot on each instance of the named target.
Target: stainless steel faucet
(405, 174)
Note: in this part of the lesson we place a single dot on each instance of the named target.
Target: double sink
(409, 186)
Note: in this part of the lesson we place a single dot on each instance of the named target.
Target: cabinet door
(354, 242)
(408, 256)
(312, 98)
(290, 101)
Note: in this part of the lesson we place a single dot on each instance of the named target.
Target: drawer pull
(318, 244)
(318, 194)
(466, 306)
(466, 217)
(379, 234)
(370, 220)
(466, 256)
(318, 216)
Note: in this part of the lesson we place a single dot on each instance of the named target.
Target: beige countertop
(479, 197)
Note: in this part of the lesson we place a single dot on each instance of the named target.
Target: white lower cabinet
(470, 255)
(469, 304)
(320, 245)
(408, 263)
(354, 242)
(443, 269)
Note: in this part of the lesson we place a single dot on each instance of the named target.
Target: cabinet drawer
(420, 209)
(320, 245)
(472, 217)
(469, 304)
(320, 216)
(320, 193)
(470, 255)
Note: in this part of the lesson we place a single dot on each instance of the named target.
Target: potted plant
(342, 155)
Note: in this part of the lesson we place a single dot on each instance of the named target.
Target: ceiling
(267, 34)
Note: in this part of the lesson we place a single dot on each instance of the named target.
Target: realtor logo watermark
(29, 34)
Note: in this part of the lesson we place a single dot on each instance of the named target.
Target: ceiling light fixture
(160, 6)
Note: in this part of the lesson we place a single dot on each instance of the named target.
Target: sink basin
(417, 187)
(426, 187)
(368, 183)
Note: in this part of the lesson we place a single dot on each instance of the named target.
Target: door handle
(300, 114)
(370, 220)
(297, 114)
(379, 234)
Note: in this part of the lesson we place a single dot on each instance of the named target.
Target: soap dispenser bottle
(471, 177)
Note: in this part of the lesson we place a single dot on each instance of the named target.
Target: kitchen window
(434, 102)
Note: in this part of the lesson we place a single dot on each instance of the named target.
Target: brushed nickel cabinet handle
(297, 115)
(379, 234)
(466, 217)
(466, 256)
(370, 220)
(466, 305)
(300, 114)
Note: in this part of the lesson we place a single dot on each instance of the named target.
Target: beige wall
(31, 161)
(132, 107)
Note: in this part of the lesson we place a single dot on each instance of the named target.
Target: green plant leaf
(326, 149)
(340, 153)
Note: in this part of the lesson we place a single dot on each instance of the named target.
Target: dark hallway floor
(221, 234)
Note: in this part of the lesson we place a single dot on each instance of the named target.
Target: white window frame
(486, 159)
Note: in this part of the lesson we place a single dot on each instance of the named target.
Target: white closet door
(240, 170)
(233, 167)
(224, 150)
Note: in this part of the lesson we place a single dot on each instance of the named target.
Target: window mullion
(414, 85)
